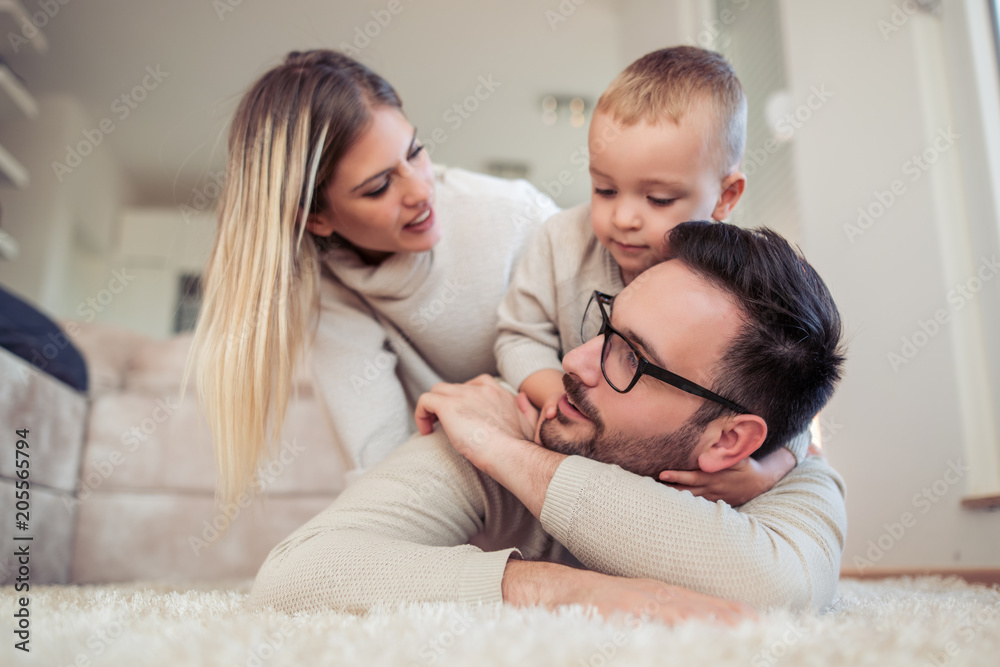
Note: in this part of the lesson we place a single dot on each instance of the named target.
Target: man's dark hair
(786, 357)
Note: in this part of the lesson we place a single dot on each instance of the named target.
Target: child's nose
(625, 217)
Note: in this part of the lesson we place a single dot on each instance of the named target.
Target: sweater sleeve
(782, 549)
(387, 541)
(354, 369)
(527, 337)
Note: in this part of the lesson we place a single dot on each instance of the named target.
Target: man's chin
(551, 436)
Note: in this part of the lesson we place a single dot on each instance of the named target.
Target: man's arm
(398, 534)
(551, 585)
(780, 549)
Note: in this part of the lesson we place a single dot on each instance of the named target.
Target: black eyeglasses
(621, 362)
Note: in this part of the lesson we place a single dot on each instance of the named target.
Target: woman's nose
(418, 188)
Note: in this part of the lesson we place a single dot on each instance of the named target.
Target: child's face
(647, 179)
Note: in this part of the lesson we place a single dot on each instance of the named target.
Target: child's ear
(320, 224)
(733, 186)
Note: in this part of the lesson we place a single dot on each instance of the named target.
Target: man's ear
(320, 224)
(739, 438)
(733, 186)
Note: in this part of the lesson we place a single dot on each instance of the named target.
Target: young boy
(666, 141)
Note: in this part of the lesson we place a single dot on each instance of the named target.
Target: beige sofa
(123, 479)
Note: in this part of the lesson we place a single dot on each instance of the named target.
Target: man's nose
(584, 362)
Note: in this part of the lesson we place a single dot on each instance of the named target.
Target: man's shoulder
(812, 483)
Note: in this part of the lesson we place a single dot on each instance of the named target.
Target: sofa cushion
(106, 349)
(139, 441)
(157, 368)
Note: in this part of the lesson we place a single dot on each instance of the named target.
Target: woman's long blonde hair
(261, 285)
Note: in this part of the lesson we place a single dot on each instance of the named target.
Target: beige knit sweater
(539, 317)
(388, 333)
(425, 525)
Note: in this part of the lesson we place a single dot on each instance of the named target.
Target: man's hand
(477, 416)
(493, 430)
(551, 585)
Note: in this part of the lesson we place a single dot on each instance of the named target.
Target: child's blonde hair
(671, 82)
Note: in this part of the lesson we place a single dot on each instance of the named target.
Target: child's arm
(738, 484)
(542, 385)
(528, 339)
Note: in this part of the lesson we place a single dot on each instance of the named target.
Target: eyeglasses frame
(644, 366)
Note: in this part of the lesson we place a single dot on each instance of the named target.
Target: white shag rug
(925, 621)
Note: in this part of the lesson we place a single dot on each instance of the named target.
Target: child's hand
(737, 484)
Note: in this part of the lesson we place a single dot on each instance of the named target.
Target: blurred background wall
(874, 143)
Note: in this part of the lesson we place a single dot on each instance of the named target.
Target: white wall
(435, 56)
(897, 436)
(156, 247)
(65, 228)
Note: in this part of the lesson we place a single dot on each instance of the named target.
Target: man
(738, 311)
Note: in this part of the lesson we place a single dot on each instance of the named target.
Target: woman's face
(381, 195)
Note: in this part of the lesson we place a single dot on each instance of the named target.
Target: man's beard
(643, 456)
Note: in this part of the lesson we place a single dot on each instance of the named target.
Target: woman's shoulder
(463, 185)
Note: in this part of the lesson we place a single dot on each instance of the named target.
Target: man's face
(679, 322)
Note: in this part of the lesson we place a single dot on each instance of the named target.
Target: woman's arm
(355, 373)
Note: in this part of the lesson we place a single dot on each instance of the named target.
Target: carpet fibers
(926, 621)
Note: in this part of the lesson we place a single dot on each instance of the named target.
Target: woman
(337, 234)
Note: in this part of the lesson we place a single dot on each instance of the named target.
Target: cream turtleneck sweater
(388, 333)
